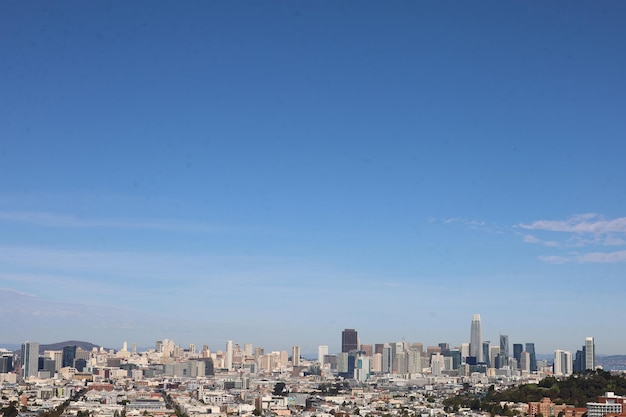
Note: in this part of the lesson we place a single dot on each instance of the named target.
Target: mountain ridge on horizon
(15, 347)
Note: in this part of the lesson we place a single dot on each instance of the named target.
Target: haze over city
(275, 172)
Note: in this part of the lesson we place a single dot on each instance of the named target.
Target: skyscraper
(504, 348)
(30, 359)
(295, 355)
(69, 354)
(349, 340)
(321, 352)
(518, 348)
(228, 363)
(590, 353)
(476, 339)
(562, 363)
(524, 363)
(486, 356)
(530, 348)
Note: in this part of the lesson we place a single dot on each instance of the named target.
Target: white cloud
(592, 257)
(472, 223)
(531, 239)
(553, 259)
(589, 223)
(601, 257)
(579, 231)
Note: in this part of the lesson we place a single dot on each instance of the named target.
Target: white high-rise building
(590, 353)
(437, 364)
(376, 364)
(464, 350)
(563, 363)
(476, 339)
(494, 351)
(362, 368)
(295, 355)
(30, 359)
(321, 352)
(415, 361)
(228, 363)
(247, 349)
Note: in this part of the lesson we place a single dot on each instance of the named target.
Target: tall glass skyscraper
(504, 348)
(476, 339)
(518, 348)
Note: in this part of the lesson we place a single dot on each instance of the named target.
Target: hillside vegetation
(576, 390)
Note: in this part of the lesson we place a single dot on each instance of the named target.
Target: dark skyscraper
(518, 348)
(349, 340)
(69, 354)
(486, 356)
(6, 364)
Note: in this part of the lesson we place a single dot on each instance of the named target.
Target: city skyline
(347, 345)
(277, 172)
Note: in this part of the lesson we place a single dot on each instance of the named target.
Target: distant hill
(52, 346)
(10, 346)
(613, 362)
(61, 345)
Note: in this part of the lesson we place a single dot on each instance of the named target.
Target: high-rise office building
(590, 353)
(368, 350)
(295, 355)
(69, 354)
(414, 357)
(524, 363)
(530, 348)
(494, 356)
(387, 359)
(486, 351)
(30, 359)
(6, 363)
(476, 339)
(518, 348)
(504, 348)
(228, 362)
(579, 361)
(464, 350)
(437, 364)
(321, 352)
(562, 363)
(349, 340)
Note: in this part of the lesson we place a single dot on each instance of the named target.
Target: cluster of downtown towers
(476, 353)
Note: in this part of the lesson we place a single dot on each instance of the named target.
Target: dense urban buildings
(244, 379)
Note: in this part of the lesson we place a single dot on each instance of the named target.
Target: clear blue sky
(272, 172)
